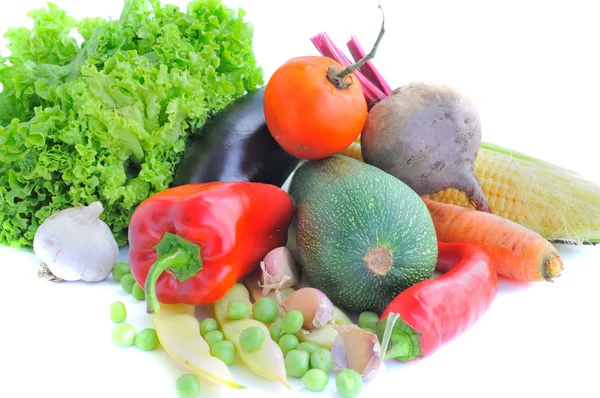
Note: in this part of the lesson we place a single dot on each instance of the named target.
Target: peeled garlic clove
(280, 270)
(314, 305)
(357, 349)
(74, 244)
(341, 318)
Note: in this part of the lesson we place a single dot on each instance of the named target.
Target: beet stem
(368, 69)
(327, 48)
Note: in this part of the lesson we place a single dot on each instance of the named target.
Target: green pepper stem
(399, 340)
(176, 254)
(389, 327)
(402, 349)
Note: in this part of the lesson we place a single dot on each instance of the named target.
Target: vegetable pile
(157, 131)
(108, 119)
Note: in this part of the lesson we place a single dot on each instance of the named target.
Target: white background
(531, 67)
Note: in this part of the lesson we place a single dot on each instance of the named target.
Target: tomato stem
(327, 48)
(353, 67)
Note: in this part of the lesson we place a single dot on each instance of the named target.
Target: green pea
(147, 339)
(188, 386)
(321, 358)
(368, 319)
(315, 380)
(275, 331)
(308, 347)
(288, 342)
(118, 312)
(208, 325)
(119, 270)
(127, 283)
(138, 293)
(265, 310)
(297, 363)
(252, 338)
(213, 337)
(292, 322)
(237, 310)
(123, 335)
(349, 383)
(225, 351)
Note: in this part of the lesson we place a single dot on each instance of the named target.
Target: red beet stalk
(373, 84)
(368, 69)
(327, 48)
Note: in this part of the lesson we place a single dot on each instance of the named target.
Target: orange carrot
(517, 252)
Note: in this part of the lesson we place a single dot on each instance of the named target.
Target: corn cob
(556, 203)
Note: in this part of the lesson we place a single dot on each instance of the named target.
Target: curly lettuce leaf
(109, 119)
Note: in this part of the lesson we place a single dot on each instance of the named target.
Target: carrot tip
(553, 267)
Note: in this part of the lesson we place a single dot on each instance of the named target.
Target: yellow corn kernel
(353, 151)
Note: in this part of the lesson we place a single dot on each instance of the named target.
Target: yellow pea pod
(268, 360)
(178, 331)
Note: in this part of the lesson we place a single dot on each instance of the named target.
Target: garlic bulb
(74, 244)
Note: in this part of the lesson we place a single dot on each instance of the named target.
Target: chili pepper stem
(338, 78)
(176, 254)
(398, 340)
(387, 333)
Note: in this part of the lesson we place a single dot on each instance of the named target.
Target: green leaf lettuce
(108, 119)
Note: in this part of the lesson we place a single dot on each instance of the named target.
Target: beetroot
(427, 136)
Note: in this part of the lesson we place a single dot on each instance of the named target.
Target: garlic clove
(314, 305)
(357, 349)
(280, 270)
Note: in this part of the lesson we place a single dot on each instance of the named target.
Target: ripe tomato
(307, 114)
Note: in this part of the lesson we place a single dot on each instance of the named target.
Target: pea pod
(178, 332)
(268, 360)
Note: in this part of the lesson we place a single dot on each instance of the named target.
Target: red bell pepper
(190, 244)
(434, 311)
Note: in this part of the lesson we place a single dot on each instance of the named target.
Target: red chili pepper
(190, 244)
(434, 311)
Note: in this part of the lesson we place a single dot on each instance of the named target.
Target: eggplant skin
(236, 145)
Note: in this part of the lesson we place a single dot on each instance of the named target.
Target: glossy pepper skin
(436, 310)
(190, 244)
(236, 145)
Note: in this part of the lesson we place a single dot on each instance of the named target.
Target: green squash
(362, 235)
